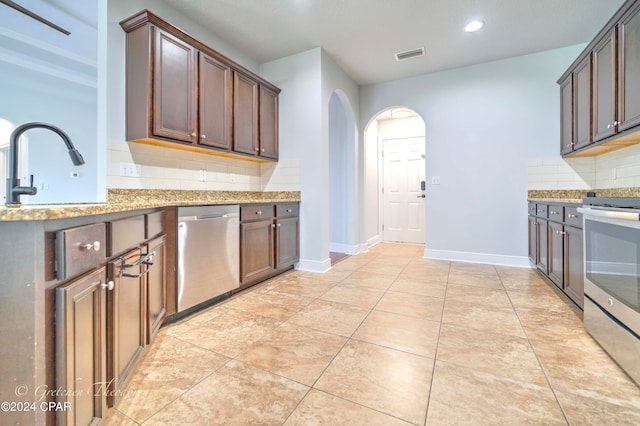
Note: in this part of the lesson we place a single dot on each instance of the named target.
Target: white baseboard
(345, 248)
(314, 265)
(493, 259)
(373, 241)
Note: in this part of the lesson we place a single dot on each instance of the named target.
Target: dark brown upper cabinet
(611, 86)
(182, 93)
(566, 115)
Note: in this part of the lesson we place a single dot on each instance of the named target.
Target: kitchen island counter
(122, 200)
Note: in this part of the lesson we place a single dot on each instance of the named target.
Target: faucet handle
(31, 180)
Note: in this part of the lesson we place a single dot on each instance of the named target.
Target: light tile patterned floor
(384, 338)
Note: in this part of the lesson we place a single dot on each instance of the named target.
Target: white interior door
(402, 197)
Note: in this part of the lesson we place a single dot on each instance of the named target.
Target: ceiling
(362, 36)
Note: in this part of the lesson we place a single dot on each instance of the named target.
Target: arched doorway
(343, 166)
(395, 177)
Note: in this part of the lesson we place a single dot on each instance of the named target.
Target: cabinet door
(81, 349)
(268, 123)
(566, 115)
(629, 70)
(174, 88)
(582, 104)
(215, 91)
(287, 242)
(256, 249)
(533, 240)
(126, 316)
(156, 287)
(556, 254)
(245, 114)
(574, 265)
(543, 245)
(604, 88)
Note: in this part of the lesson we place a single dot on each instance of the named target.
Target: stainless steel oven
(612, 278)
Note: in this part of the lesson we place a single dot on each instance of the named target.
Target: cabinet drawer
(80, 249)
(556, 213)
(572, 217)
(125, 234)
(257, 211)
(155, 224)
(541, 210)
(287, 210)
(532, 209)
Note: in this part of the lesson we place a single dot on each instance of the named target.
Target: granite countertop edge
(129, 200)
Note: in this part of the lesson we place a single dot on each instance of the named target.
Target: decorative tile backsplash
(165, 168)
(618, 169)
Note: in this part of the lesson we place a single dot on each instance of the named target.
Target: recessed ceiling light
(474, 26)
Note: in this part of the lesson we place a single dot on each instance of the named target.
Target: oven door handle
(609, 214)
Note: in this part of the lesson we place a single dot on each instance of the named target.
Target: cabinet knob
(95, 246)
(259, 212)
(289, 210)
(609, 126)
(257, 149)
(574, 216)
(279, 225)
(558, 232)
(108, 285)
(273, 225)
(262, 149)
(193, 134)
(615, 123)
(203, 136)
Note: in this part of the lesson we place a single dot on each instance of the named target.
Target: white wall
(482, 124)
(299, 77)
(166, 168)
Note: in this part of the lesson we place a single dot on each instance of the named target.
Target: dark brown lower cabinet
(156, 286)
(256, 248)
(287, 242)
(556, 253)
(543, 245)
(574, 265)
(81, 349)
(533, 240)
(126, 319)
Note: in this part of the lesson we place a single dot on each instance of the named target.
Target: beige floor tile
(474, 268)
(297, 353)
(387, 380)
(561, 330)
(420, 287)
(475, 279)
(330, 317)
(362, 278)
(231, 333)
(413, 305)
(522, 284)
(364, 297)
(237, 394)
(279, 306)
(351, 264)
(484, 318)
(587, 411)
(409, 334)
(469, 397)
(195, 320)
(498, 354)
(389, 269)
(478, 295)
(517, 273)
(170, 368)
(587, 372)
(303, 287)
(320, 408)
(116, 418)
(333, 275)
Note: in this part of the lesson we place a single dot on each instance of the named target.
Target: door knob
(421, 196)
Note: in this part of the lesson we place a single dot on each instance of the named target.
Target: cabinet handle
(558, 232)
(203, 136)
(259, 212)
(108, 285)
(273, 225)
(95, 246)
(573, 216)
(289, 210)
(615, 123)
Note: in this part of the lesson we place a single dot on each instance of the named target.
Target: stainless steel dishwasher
(208, 253)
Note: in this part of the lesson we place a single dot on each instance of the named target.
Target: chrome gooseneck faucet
(14, 190)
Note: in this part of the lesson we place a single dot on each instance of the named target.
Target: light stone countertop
(122, 200)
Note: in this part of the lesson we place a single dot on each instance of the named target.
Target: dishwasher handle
(208, 217)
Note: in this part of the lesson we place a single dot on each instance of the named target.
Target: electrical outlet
(203, 175)
(130, 169)
(232, 178)
(614, 173)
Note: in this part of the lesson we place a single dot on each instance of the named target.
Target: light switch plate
(435, 180)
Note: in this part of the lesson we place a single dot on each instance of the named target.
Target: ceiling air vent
(410, 54)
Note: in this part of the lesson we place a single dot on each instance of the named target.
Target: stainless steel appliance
(208, 253)
(612, 278)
